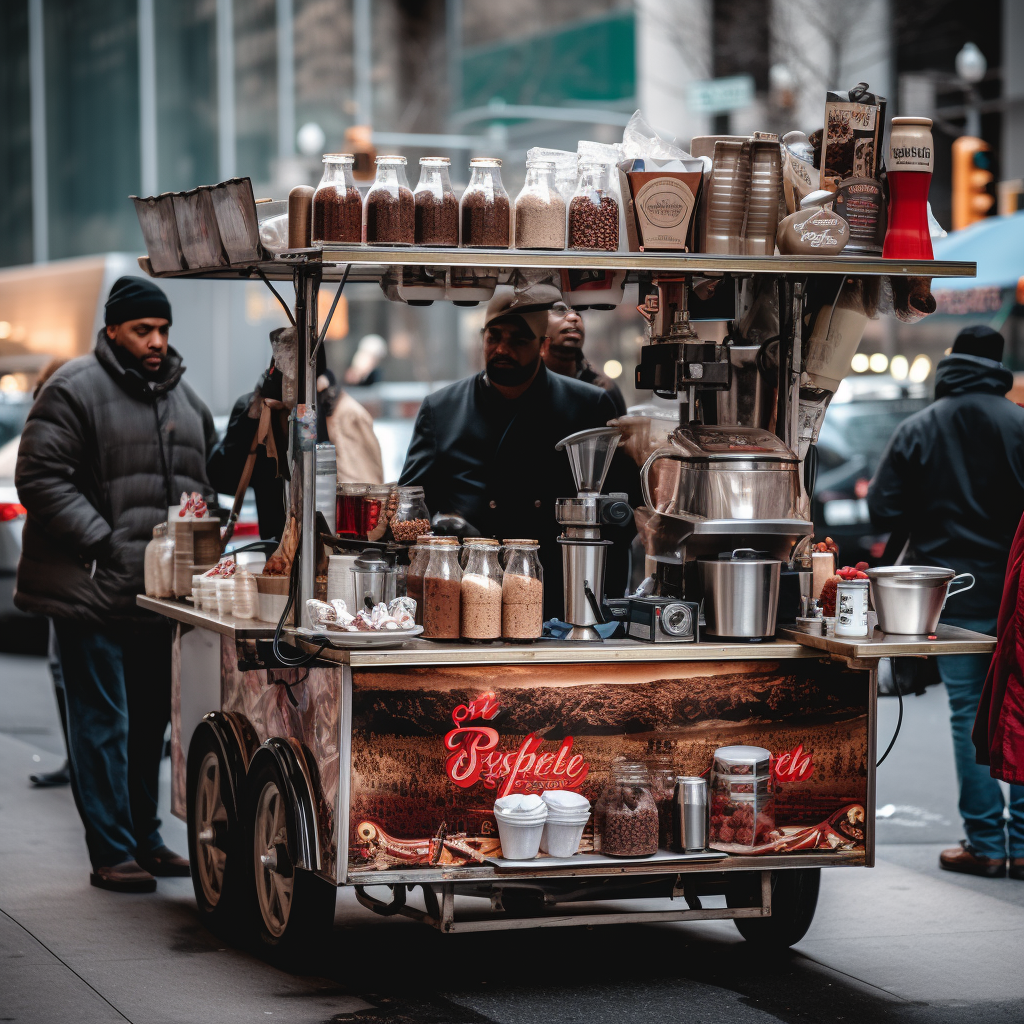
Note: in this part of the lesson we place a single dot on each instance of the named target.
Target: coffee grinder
(590, 455)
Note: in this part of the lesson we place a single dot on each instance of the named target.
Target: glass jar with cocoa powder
(522, 591)
(481, 590)
(442, 591)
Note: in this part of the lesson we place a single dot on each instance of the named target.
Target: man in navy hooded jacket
(953, 478)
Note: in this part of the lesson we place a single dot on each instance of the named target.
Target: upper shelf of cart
(369, 263)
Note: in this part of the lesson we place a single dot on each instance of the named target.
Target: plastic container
(389, 205)
(245, 601)
(436, 205)
(663, 786)
(520, 821)
(540, 209)
(481, 590)
(568, 814)
(594, 210)
(373, 523)
(158, 563)
(442, 591)
(484, 208)
(742, 797)
(225, 596)
(522, 591)
(337, 202)
(625, 815)
(412, 518)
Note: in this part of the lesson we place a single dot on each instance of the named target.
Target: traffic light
(972, 180)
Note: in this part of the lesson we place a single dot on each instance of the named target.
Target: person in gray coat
(112, 440)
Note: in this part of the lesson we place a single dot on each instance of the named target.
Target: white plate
(368, 639)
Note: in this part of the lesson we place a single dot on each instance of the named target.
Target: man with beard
(484, 447)
(562, 352)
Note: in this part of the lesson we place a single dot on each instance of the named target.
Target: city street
(901, 943)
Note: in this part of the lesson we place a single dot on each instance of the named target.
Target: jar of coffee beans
(540, 209)
(389, 205)
(437, 206)
(337, 204)
(594, 210)
(411, 518)
(625, 815)
(484, 208)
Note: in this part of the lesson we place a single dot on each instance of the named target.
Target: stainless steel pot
(909, 598)
(741, 594)
(723, 472)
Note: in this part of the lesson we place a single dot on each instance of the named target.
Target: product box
(659, 207)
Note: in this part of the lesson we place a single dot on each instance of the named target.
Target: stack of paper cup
(568, 814)
(520, 821)
(339, 580)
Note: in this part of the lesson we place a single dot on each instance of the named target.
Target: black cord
(899, 721)
(303, 659)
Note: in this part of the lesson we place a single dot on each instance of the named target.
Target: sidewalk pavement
(901, 943)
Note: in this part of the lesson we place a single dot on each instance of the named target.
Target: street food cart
(377, 768)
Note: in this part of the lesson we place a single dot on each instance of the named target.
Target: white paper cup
(562, 835)
(520, 834)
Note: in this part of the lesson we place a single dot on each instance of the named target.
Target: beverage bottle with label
(909, 172)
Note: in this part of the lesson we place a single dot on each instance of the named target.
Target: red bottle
(909, 172)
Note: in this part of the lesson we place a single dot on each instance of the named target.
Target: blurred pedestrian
(364, 370)
(341, 421)
(112, 440)
(562, 352)
(952, 479)
(62, 775)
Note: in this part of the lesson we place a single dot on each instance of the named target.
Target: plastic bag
(641, 142)
(565, 168)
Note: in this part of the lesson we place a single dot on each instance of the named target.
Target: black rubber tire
(794, 900)
(309, 917)
(220, 912)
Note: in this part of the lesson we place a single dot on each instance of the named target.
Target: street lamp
(970, 68)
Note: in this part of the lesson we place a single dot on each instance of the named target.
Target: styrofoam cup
(520, 831)
(561, 836)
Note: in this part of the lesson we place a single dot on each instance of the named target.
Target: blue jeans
(981, 798)
(117, 690)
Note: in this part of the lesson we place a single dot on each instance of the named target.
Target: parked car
(858, 424)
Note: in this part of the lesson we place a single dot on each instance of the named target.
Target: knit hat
(133, 298)
(530, 305)
(979, 341)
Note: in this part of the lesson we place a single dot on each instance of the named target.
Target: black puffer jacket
(103, 454)
(953, 477)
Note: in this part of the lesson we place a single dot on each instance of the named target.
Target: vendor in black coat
(484, 447)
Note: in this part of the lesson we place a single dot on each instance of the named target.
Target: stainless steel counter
(791, 643)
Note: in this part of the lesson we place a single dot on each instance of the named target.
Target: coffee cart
(378, 768)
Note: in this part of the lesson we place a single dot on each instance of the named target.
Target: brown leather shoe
(963, 859)
(164, 863)
(1017, 868)
(124, 877)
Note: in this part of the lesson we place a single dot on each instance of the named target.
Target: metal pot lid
(745, 555)
(731, 443)
(742, 760)
(371, 561)
(929, 575)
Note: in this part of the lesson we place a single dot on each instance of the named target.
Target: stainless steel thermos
(690, 813)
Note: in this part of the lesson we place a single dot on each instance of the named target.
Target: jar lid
(439, 160)
(412, 490)
(426, 538)
(338, 157)
(448, 542)
(755, 760)
(485, 161)
(517, 543)
(350, 488)
(378, 491)
(391, 158)
(482, 542)
(897, 121)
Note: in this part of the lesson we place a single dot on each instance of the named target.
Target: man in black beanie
(952, 478)
(111, 442)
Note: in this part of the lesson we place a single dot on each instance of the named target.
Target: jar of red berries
(742, 799)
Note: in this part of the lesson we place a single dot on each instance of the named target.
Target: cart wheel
(293, 908)
(794, 899)
(215, 764)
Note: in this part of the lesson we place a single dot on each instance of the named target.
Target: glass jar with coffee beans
(484, 209)
(437, 206)
(411, 518)
(389, 205)
(625, 815)
(337, 204)
(594, 210)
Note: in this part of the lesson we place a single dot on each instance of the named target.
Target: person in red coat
(999, 726)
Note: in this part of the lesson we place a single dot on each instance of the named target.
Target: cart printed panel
(432, 748)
